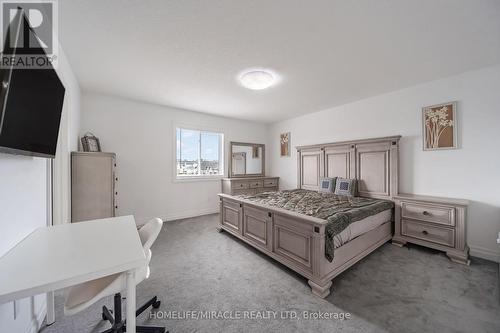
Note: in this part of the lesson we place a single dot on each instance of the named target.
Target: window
(199, 153)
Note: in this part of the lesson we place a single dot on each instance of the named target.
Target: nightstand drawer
(426, 232)
(240, 185)
(270, 182)
(431, 213)
(256, 183)
(244, 191)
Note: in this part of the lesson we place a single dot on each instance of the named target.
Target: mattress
(360, 227)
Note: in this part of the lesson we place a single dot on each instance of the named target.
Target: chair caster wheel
(156, 304)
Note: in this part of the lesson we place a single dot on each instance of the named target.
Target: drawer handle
(426, 213)
(425, 232)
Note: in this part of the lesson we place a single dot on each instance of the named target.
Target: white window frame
(201, 129)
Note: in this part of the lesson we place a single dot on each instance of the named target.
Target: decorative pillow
(345, 186)
(327, 184)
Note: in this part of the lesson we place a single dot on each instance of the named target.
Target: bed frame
(297, 240)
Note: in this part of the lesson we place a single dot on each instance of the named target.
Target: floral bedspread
(338, 210)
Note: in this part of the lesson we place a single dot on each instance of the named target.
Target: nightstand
(434, 222)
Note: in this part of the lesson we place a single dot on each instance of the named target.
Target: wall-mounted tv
(31, 99)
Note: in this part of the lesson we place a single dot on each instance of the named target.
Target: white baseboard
(178, 215)
(190, 213)
(484, 253)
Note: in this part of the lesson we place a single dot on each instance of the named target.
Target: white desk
(57, 257)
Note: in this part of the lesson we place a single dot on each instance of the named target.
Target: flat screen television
(31, 99)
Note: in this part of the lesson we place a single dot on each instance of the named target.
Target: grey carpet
(392, 290)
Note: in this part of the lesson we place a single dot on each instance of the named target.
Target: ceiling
(188, 53)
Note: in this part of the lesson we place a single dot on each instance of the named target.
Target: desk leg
(51, 314)
(130, 302)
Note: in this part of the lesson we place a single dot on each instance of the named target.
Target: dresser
(250, 185)
(435, 222)
(93, 186)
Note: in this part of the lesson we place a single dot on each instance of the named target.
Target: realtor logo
(29, 38)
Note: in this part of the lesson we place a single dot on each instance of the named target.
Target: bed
(300, 236)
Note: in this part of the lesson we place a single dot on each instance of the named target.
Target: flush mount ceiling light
(257, 79)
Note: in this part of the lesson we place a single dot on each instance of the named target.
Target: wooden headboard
(373, 162)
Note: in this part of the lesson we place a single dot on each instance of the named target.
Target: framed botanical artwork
(285, 144)
(439, 126)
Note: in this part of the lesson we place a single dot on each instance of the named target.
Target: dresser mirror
(246, 159)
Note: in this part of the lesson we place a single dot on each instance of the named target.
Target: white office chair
(80, 297)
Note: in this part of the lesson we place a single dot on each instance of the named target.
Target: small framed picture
(255, 152)
(439, 126)
(90, 143)
(285, 144)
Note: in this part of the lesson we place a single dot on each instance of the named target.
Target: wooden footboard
(296, 240)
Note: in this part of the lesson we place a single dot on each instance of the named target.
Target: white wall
(23, 198)
(471, 172)
(142, 136)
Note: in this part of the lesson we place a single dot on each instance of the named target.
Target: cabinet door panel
(257, 226)
(338, 161)
(372, 169)
(311, 169)
(231, 215)
(292, 242)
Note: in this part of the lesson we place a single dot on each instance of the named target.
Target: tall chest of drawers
(253, 185)
(435, 222)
